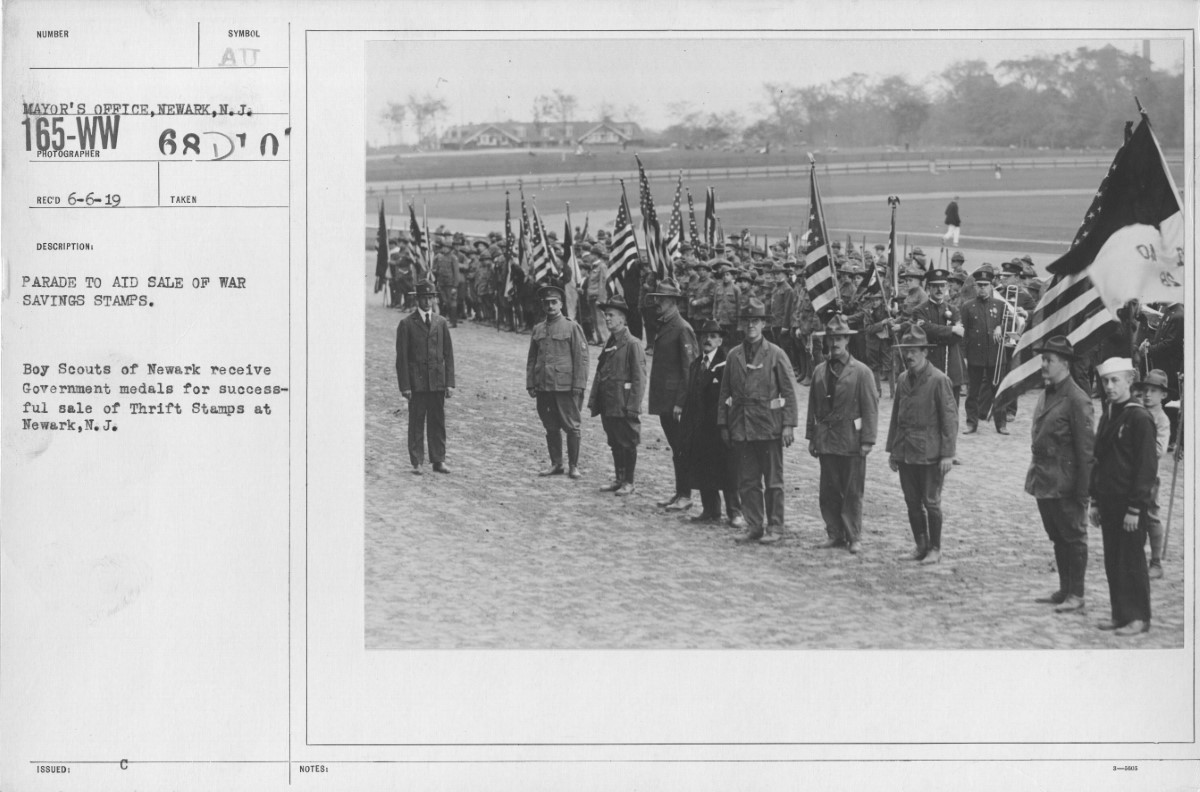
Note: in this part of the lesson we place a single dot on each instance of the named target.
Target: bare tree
(564, 107)
(606, 110)
(425, 113)
(394, 116)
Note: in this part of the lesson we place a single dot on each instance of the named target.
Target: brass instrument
(1011, 328)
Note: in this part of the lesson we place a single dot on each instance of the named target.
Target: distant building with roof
(520, 134)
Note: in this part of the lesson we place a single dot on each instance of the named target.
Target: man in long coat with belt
(425, 374)
(757, 414)
(674, 350)
(942, 323)
(843, 410)
(708, 462)
(1059, 473)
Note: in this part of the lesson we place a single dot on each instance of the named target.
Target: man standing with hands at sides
(757, 415)
(843, 407)
(921, 442)
(1063, 442)
(675, 348)
(1122, 484)
(425, 373)
(943, 326)
(556, 375)
(983, 320)
(617, 394)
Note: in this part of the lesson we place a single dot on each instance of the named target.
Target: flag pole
(1175, 469)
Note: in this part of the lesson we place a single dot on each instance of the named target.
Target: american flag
(573, 275)
(416, 245)
(623, 255)
(428, 244)
(525, 242)
(509, 285)
(693, 232)
(819, 280)
(710, 219)
(1137, 191)
(675, 229)
(655, 252)
(543, 266)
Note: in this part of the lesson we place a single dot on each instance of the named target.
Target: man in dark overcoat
(843, 410)
(942, 323)
(1059, 473)
(983, 318)
(675, 348)
(425, 374)
(708, 462)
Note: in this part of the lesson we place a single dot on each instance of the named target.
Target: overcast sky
(490, 79)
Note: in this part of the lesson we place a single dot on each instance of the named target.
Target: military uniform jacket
(726, 300)
(445, 270)
(783, 305)
(758, 396)
(841, 426)
(924, 427)
(424, 357)
(620, 380)
(980, 319)
(674, 350)
(1063, 443)
(1125, 463)
(701, 296)
(947, 355)
(558, 357)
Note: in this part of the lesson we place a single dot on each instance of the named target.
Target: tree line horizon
(1077, 99)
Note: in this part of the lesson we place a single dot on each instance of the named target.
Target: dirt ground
(491, 556)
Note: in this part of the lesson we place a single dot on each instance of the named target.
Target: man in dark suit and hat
(708, 463)
(943, 325)
(617, 394)
(1062, 447)
(675, 348)
(425, 374)
(921, 442)
(757, 414)
(556, 375)
(843, 410)
(982, 320)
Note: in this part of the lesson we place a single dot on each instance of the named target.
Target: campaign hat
(914, 337)
(754, 310)
(1058, 345)
(1156, 378)
(616, 301)
(836, 326)
(667, 288)
(957, 277)
(1012, 267)
(958, 256)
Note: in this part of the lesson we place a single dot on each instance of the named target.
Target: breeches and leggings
(922, 487)
(1065, 521)
(559, 411)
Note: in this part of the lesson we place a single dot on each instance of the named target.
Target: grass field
(857, 203)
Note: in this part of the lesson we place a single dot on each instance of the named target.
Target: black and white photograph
(774, 341)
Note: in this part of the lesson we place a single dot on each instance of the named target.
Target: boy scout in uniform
(617, 394)
(556, 375)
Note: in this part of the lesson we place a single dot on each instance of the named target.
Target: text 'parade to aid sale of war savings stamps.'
(902, 388)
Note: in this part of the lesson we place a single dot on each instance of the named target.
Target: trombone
(1010, 329)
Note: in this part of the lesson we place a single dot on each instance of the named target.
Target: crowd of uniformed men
(733, 332)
